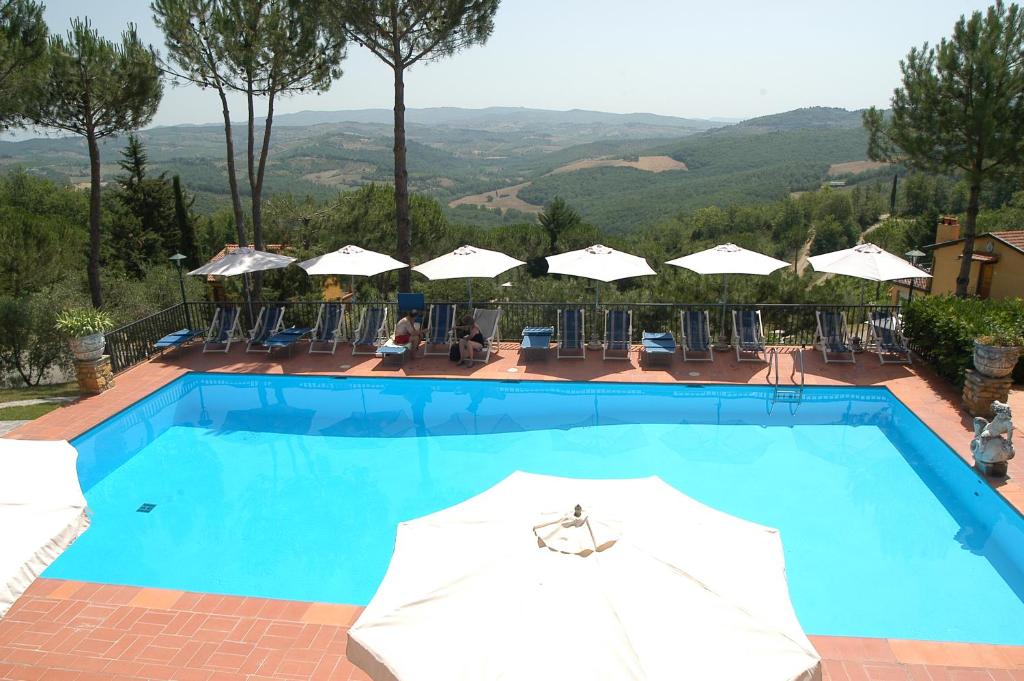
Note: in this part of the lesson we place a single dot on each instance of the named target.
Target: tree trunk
(257, 226)
(402, 185)
(95, 290)
(970, 222)
(236, 200)
(257, 187)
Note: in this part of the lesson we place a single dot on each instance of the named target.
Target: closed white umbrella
(468, 262)
(866, 261)
(638, 581)
(353, 261)
(726, 259)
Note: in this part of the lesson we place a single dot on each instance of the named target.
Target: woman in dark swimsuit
(472, 342)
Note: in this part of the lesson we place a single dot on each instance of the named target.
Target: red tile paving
(84, 631)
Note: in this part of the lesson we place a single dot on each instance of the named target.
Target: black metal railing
(784, 324)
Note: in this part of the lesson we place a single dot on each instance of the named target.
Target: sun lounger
(269, 321)
(570, 331)
(886, 338)
(177, 339)
(618, 333)
(748, 335)
(370, 332)
(440, 330)
(657, 347)
(833, 337)
(695, 335)
(225, 328)
(287, 338)
(327, 331)
(488, 320)
(536, 341)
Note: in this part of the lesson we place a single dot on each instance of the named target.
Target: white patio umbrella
(546, 578)
(353, 261)
(866, 261)
(243, 260)
(726, 259)
(42, 510)
(468, 262)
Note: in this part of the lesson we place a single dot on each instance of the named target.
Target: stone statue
(992, 445)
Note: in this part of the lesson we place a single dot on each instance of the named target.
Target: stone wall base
(981, 391)
(94, 376)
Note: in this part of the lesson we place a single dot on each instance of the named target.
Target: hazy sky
(677, 57)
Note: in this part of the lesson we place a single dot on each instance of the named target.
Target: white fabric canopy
(353, 261)
(468, 262)
(673, 590)
(243, 260)
(729, 259)
(866, 261)
(599, 262)
(42, 510)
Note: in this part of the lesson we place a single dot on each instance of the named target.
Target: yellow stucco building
(997, 266)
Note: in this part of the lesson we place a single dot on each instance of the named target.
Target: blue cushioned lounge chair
(833, 337)
(269, 321)
(695, 335)
(657, 347)
(225, 328)
(177, 339)
(618, 334)
(570, 335)
(748, 335)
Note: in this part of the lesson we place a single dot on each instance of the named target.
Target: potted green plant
(996, 353)
(84, 328)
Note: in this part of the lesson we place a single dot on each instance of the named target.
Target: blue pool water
(291, 487)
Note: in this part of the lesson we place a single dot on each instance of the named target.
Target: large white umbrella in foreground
(42, 510)
(243, 260)
(353, 261)
(636, 582)
(468, 262)
(866, 261)
(726, 259)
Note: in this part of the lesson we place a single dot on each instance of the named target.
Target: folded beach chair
(887, 339)
(177, 339)
(440, 330)
(618, 333)
(327, 331)
(657, 347)
(488, 321)
(225, 328)
(370, 332)
(695, 335)
(748, 335)
(570, 335)
(833, 337)
(269, 321)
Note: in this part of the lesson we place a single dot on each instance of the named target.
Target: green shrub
(942, 330)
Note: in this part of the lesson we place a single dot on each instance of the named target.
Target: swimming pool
(291, 487)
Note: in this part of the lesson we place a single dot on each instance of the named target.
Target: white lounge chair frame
(902, 354)
(278, 325)
(362, 333)
(628, 340)
(318, 330)
(489, 329)
(758, 350)
(449, 332)
(560, 351)
(843, 338)
(214, 333)
(684, 339)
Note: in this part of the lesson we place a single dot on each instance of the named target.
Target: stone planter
(88, 348)
(995, 361)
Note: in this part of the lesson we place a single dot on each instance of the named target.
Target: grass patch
(39, 391)
(32, 411)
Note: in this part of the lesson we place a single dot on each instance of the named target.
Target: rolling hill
(500, 164)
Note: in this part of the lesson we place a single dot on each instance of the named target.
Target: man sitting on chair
(407, 333)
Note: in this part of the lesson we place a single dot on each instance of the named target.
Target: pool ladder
(791, 393)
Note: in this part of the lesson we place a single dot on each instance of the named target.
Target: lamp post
(176, 259)
(913, 255)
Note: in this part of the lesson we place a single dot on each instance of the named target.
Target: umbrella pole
(352, 286)
(595, 337)
(248, 296)
(722, 340)
(469, 287)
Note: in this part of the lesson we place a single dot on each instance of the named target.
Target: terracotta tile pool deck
(85, 631)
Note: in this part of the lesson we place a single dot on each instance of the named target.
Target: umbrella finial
(578, 511)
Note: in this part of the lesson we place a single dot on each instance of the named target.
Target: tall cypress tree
(186, 225)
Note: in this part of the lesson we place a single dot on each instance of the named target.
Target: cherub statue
(992, 445)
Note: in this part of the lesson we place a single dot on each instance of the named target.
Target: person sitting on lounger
(407, 333)
(471, 340)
